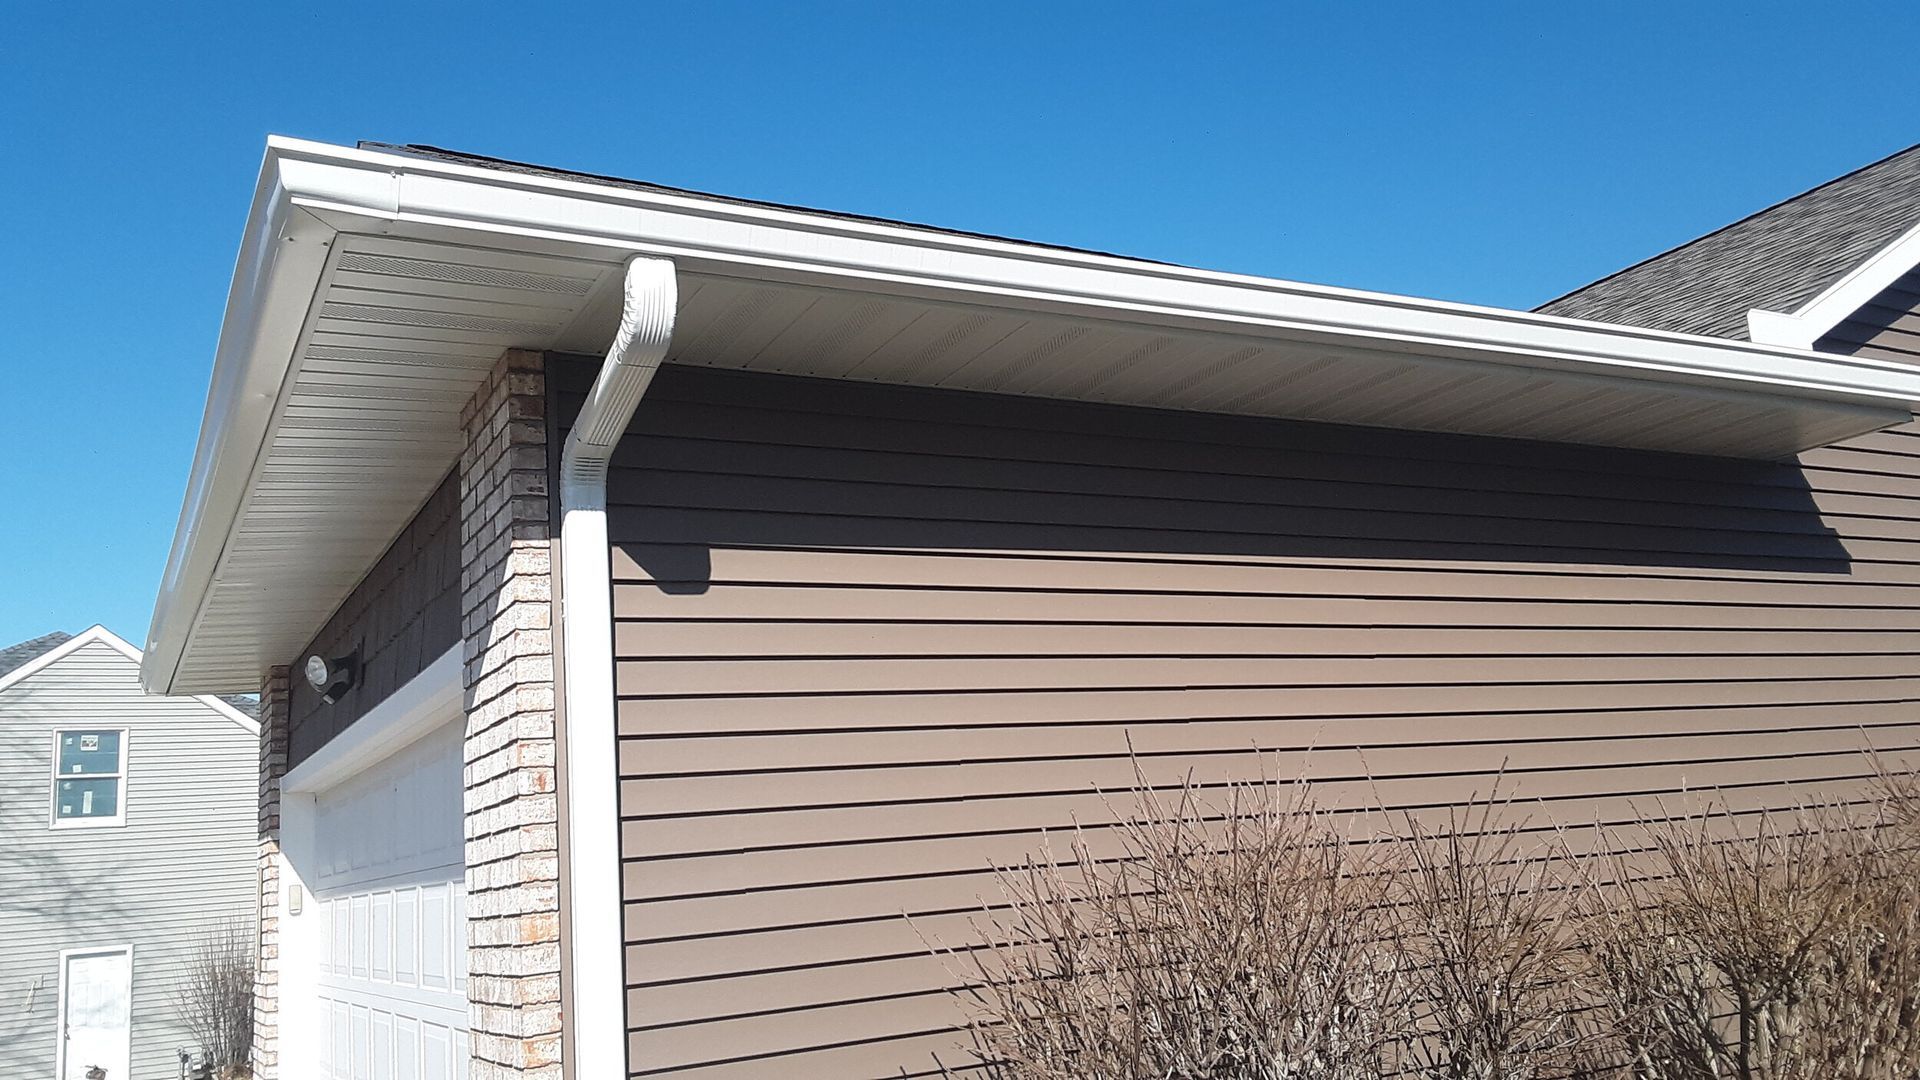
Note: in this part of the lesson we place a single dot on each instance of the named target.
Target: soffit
(403, 332)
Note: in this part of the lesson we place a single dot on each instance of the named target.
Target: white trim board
(124, 775)
(420, 707)
(1838, 301)
(101, 635)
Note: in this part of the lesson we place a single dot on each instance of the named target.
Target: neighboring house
(916, 536)
(127, 832)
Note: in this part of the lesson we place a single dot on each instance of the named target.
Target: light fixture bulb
(319, 673)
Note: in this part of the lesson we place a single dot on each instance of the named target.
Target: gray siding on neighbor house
(183, 860)
(873, 640)
(401, 617)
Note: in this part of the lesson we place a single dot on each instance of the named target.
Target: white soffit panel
(375, 290)
(367, 426)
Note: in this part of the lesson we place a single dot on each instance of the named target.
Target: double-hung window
(89, 777)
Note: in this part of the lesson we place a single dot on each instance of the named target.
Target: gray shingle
(249, 706)
(14, 656)
(1777, 259)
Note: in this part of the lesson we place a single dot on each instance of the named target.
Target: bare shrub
(1897, 787)
(214, 998)
(1483, 938)
(1239, 942)
(1259, 938)
(1773, 947)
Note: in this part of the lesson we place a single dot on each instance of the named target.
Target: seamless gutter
(713, 234)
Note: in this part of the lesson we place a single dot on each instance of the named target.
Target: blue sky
(1493, 153)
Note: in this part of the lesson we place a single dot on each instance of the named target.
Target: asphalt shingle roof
(26, 652)
(250, 706)
(1777, 259)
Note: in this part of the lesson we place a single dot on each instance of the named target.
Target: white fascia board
(410, 196)
(282, 257)
(1837, 303)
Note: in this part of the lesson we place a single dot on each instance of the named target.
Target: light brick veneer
(274, 702)
(512, 842)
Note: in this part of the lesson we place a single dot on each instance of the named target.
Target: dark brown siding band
(875, 641)
(401, 617)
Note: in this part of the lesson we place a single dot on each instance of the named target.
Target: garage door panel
(394, 982)
(392, 971)
(399, 821)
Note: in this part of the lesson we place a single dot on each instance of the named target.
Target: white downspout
(597, 992)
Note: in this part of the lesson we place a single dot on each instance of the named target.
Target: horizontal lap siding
(874, 641)
(183, 862)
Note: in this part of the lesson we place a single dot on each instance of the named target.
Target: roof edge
(283, 252)
(484, 161)
(1762, 212)
(1803, 327)
(98, 634)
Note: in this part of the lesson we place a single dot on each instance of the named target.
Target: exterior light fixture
(330, 678)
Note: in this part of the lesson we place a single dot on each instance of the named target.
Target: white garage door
(388, 883)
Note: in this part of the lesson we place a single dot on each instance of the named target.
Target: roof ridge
(24, 652)
(1762, 212)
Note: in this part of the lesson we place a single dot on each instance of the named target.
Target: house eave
(311, 195)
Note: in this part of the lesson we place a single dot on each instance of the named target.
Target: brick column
(274, 699)
(512, 841)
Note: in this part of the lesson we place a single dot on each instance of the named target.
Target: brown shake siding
(401, 617)
(874, 640)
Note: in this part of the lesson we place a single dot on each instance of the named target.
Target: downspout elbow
(647, 308)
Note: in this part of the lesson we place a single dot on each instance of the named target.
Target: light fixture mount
(330, 677)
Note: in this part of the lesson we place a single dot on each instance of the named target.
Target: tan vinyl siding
(183, 860)
(874, 641)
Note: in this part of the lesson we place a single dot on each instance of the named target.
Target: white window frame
(119, 818)
(60, 1003)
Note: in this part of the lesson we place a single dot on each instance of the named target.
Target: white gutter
(555, 215)
(596, 994)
